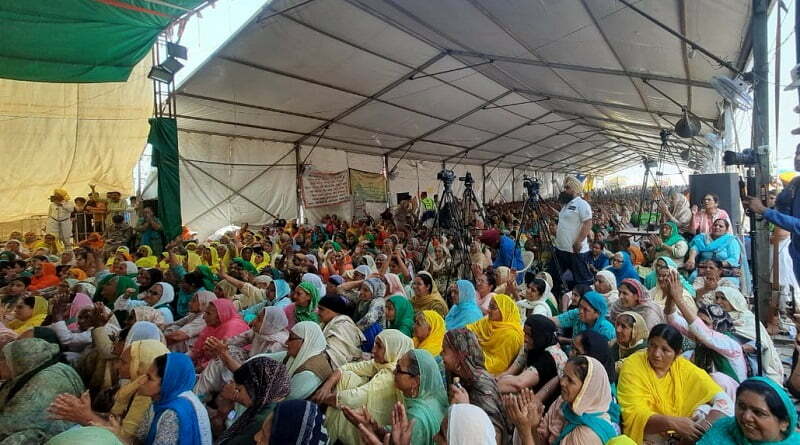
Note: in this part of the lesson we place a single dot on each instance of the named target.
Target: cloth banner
(164, 139)
(323, 188)
(370, 187)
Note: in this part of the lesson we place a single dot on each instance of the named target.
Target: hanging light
(688, 126)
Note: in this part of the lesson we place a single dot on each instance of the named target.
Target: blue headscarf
(282, 289)
(726, 431)
(178, 378)
(625, 270)
(602, 326)
(300, 422)
(466, 310)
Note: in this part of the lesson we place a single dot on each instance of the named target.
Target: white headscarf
(272, 330)
(613, 295)
(130, 268)
(167, 293)
(313, 344)
(316, 281)
(469, 424)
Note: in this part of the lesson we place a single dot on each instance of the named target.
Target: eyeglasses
(399, 370)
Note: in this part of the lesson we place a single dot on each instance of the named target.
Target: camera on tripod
(467, 179)
(747, 157)
(532, 185)
(446, 176)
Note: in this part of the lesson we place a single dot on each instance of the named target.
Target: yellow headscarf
(62, 193)
(192, 258)
(433, 343)
(40, 309)
(215, 264)
(642, 394)
(143, 353)
(500, 340)
(148, 261)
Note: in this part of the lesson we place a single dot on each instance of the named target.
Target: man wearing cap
(574, 224)
(507, 254)
(59, 222)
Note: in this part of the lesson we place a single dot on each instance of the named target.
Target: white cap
(795, 78)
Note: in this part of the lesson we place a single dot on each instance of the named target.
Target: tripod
(643, 197)
(450, 222)
(470, 201)
(532, 207)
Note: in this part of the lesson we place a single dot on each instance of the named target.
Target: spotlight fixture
(159, 74)
(172, 65)
(177, 51)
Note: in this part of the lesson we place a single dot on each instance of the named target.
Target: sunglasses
(399, 370)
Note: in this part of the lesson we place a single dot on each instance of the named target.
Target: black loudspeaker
(724, 185)
(403, 197)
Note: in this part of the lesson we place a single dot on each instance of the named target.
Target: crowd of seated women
(331, 334)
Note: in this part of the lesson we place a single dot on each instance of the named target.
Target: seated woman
(267, 335)
(369, 313)
(368, 384)
(703, 220)
(594, 345)
(129, 407)
(426, 295)
(145, 257)
(744, 327)
(417, 377)
(598, 259)
(664, 268)
(660, 392)
(632, 334)
(44, 276)
(605, 284)
(429, 332)
(176, 415)
(304, 304)
(540, 361)
(343, 337)
(113, 286)
(159, 297)
(29, 313)
(400, 314)
(305, 359)
(721, 245)
(465, 310)
(293, 421)
(76, 338)
(709, 279)
(470, 382)
(669, 243)
(590, 315)
(622, 267)
(499, 333)
(37, 377)
(633, 297)
(222, 322)
(581, 414)
(764, 414)
(258, 385)
(277, 294)
(146, 278)
(534, 301)
(182, 334)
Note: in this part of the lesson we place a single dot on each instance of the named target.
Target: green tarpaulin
(80, 40)
(164, 139)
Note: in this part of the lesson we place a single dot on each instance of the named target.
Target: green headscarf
(336, 246)
(675, 234)
(123, 283)
(726, 431)
(308, 313)
(403, 315)
(246, 265)
(209, 278)
(429, 407)
(651, 280)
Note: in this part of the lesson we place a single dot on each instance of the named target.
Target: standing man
(59, 218)
(428, 207)
(574, 225)
(114, 206)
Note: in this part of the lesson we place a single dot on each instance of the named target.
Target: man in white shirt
(574, 224)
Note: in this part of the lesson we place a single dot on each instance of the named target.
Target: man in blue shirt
(507, 255)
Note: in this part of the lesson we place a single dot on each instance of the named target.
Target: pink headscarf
(230, 324)
(395, 285)
(79, 302)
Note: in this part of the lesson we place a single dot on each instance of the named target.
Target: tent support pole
(761, 145)
(298, 182)
(386, 178)
(513, 182)
(483, 189)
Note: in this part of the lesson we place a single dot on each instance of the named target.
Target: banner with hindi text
(324, 189)
(370, 187)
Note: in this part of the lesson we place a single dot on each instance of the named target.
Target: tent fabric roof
(82, 40)
(559, 85)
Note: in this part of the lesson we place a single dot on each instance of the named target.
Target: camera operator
(59, 218)
(574, 225)
(786, 213)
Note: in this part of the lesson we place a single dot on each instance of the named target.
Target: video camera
(747, 157)
(447, 177)
(467, 179)
(532, 185)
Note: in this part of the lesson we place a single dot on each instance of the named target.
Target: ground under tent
(505, 88)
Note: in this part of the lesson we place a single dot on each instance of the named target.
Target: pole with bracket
(299, 182)
(483, 189)
(386, 178)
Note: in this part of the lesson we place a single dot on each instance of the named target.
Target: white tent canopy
(506, 87)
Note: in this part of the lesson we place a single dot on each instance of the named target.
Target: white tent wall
(208, 200)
